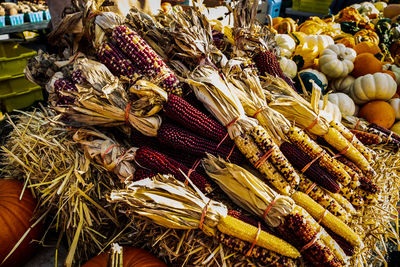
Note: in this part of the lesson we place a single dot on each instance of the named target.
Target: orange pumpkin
(15, 220)
(378, 112)
(366, 63)
(367, 47)
(131, 257)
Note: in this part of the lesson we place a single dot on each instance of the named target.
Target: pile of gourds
(354, 56)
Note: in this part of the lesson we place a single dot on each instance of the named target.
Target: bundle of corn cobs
(193, 121)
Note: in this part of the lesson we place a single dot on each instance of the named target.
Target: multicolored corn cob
(386, 131)
(312, 149)
(355, 179)
(366, 152)
(183, 140)
(387, 139)
(325, 200)
(365, 184)
(239, 215)
(252, 152)
(267, 145)
(301, 232)
(64, 85)
(182, 112)
(267, 62)
(160, 163)
(116, 61)
(355, 199)
(343, 202)
(314, 172)
(346, 246)
(344, 147)
(367, 138)
(261, 254)
(146, 59)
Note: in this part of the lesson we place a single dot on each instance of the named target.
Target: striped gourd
(312, 149)
(329, 220)
(252, 152)
(115, 60)
(188, 142)
(366, 152)
(279, 160)
(325, 200)
(261, 254)
(182, 112)
(314, 172)
(367, 138)
(342, 144)
(146, 59)
(160, 163)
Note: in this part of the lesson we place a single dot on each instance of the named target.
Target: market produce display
(216, 144)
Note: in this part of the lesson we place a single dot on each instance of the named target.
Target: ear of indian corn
(365, 183)
(386, 138)
(271, 175)
(115, 60)
(365, 151)
(261, 254)
(343, 202)
(267, 62)
(311, 148)
(342, 144)
(367, 138)
(355, 199)
(179, 138)
(386, 131)
(279, 160)
(314, 172)
(141, 173)
(160, 163)
(317, 194)
(239, 215)
(347, 248)
(304, 230)
(237, 228)
(368, 197)
(329, 220)
(182, 112)
(355, 179)
(146, 59)
(64, 85)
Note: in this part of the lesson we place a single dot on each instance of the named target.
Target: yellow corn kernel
(343, 202)
(239, 229)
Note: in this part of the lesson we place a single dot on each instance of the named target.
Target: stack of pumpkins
(354, 56)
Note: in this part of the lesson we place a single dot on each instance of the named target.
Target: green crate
(14, 84)
(22, 99)
(13, 58)
(312, 6)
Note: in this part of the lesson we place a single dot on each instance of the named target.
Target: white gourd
(395, 103)
(377, 86)
(344, 102)
(337, 60)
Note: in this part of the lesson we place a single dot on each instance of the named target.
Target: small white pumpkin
(331, 111)
(395, 69)
(337, 60)
(344, 102)
(288, 66)
(395, 103)
(377, 86)
(320, 75)
(367, 9)
(320, 41)
(343, 84)
(286, 44)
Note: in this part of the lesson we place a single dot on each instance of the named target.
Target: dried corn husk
(248, 191)
(106, 151)
(170, 203)
(218, 96)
